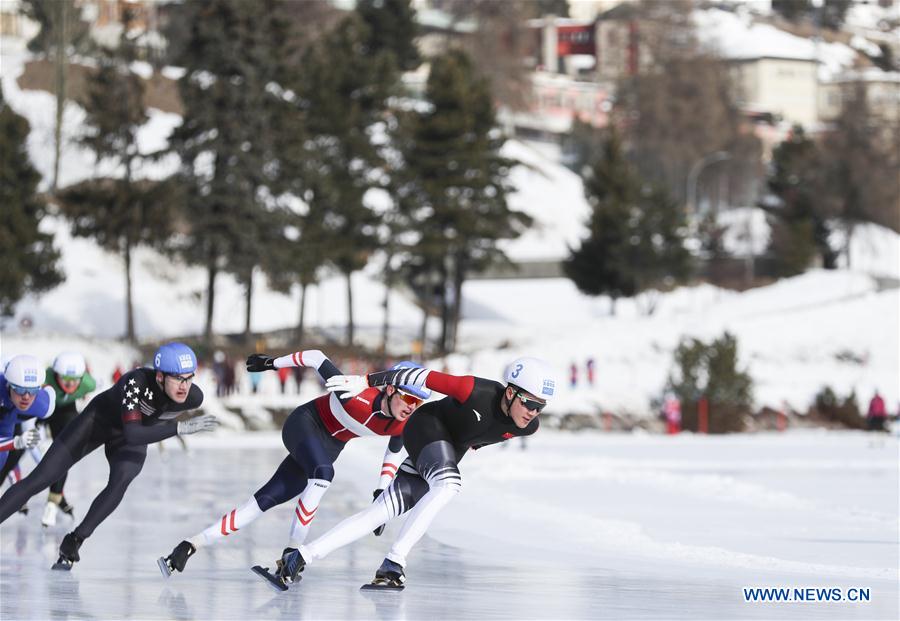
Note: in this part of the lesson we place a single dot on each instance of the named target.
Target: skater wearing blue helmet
(124, 419)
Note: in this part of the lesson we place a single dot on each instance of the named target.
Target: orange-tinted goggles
(409, 399)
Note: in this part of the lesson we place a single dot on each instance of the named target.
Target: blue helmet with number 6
(417, 391)
(532, 375)
(174, 359)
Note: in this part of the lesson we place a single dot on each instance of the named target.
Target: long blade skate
(383, 584)
(63, 564)
(271, 579)
(164, 566)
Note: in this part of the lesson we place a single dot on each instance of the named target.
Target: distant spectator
(573, 375)
(255, 378)
(117, 374)
(283, 374)
(218, 369)
(229, 376)
(672, 413)
(877, 413)
(589, 368)
(298, 376)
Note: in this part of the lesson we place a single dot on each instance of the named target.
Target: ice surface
(582, 526)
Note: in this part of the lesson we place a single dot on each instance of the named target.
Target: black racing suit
(124, 419)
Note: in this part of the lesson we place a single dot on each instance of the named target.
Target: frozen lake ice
(586, 526)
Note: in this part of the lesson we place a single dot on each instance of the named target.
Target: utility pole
(62, 7)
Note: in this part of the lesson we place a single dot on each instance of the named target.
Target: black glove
(260, 362)
(375, 496)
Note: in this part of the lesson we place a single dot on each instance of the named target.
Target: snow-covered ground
(584, 526)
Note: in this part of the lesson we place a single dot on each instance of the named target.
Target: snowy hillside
(794, 337)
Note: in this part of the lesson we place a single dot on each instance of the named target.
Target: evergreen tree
(711, 371)
(234, 56)
(462, 185)
(342, 94)
(799, 222)
(600, 265)
(123, 212)
(635, 233)
(27, 254)
(392, 27)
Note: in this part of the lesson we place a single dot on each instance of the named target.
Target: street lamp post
(694, 175)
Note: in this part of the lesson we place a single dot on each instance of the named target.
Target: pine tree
(342, 94)
(462, 183)
(600, 265)
(123, 212)
(636, 232)
(392, 27)
(234, 57)
(799, 222)
(27, 254)
(711, 371)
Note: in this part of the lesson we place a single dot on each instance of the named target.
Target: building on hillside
(554, 101)
(105, 18)
(13, 23)
(781, 85)
(882, 94)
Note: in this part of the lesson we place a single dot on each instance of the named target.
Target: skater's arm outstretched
(457, 386)
(311, 358)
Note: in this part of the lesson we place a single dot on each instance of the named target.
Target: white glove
(27, 439)
(346, 386)
(206, 422)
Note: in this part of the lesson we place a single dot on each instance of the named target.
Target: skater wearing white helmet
(476, 412)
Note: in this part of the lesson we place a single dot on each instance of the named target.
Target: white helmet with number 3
(532, 375)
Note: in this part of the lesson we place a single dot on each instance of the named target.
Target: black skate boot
(68, 552)
(287, 570)
(177, 559)
(290, 565)
(389, 576)
(66, 508)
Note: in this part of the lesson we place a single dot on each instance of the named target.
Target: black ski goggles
(178, 379)
(532, 405)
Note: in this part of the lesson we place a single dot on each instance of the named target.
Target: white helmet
(25, 371)
(532, 375)
(69, 364)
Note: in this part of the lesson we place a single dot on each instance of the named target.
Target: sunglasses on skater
(532, 405)
(181, 380)
(22, 390)
(408, 398)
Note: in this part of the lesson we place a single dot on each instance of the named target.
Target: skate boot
(290, 565)
(389, 576)
(68, 552)
(24, 510)
(66, 508)
(50, 511)
(177, 559)
(287, 570)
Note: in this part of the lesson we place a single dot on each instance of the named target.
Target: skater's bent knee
(323, 471)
